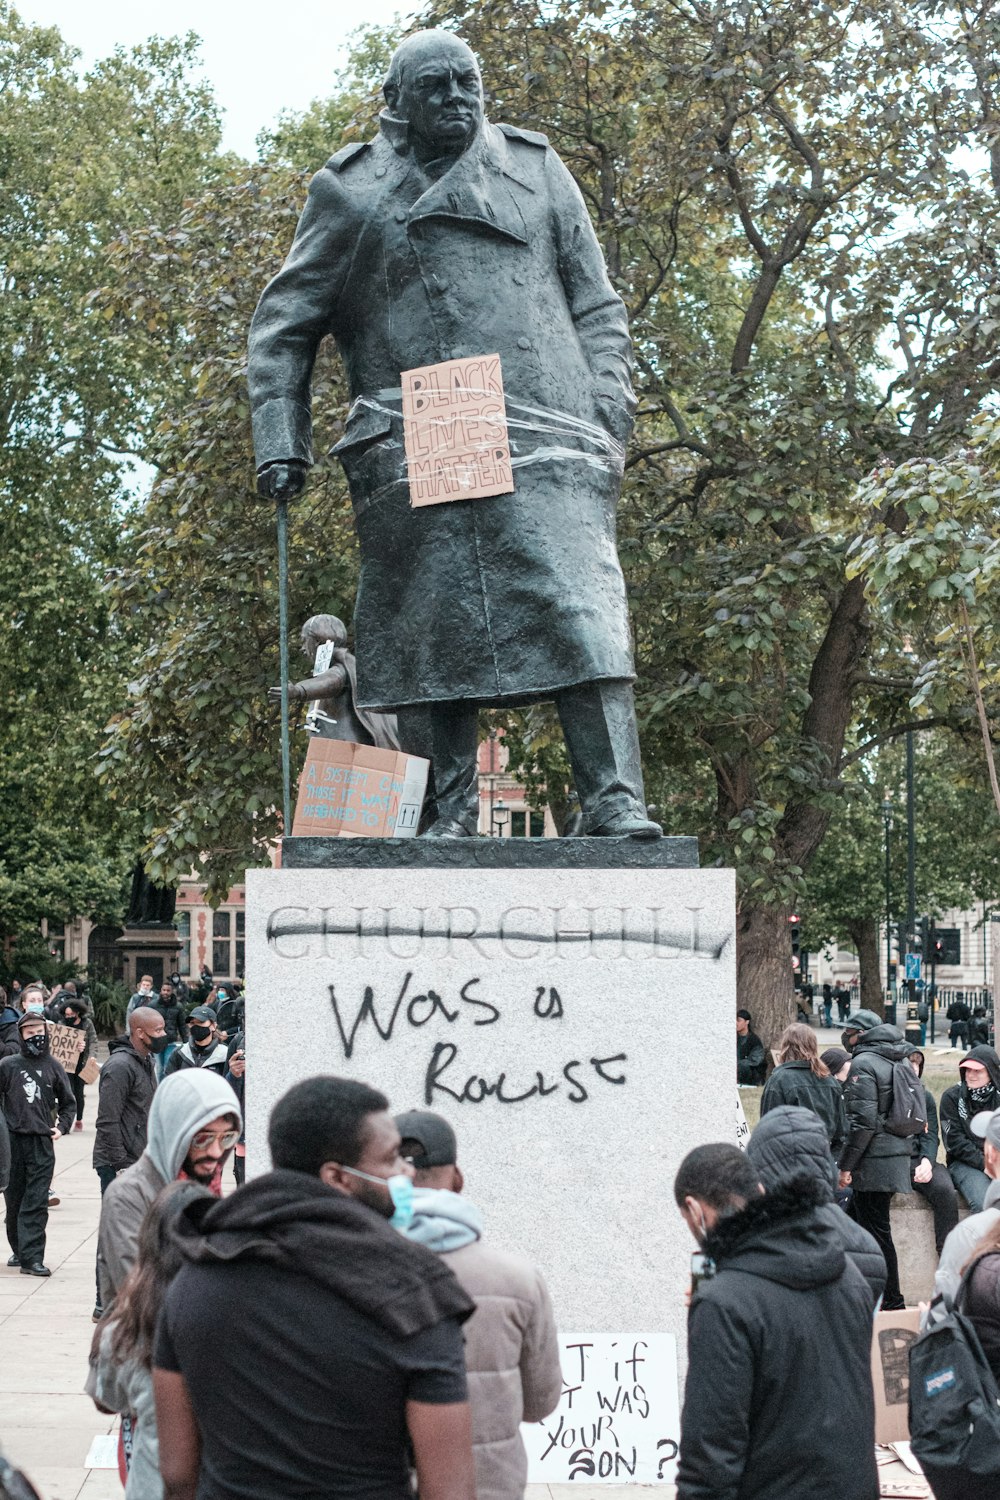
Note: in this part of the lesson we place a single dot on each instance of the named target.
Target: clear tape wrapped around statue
(491, 440)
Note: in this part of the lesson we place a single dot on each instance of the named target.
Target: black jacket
(782, 1332)
(293, 1221)
(982, 1307)
(957, 1110)
(127, 1086)
(751, 1062)
(958, 1011)
(878, 1162)
(791, 1142)
(35, 1094)
(10, 1041)
(174, 1019)
(795, 1083)
(229, 1016)
(926, 1145)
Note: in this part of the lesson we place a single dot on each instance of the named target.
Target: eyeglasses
(206, 1138)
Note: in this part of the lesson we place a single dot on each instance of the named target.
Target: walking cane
(286, 767)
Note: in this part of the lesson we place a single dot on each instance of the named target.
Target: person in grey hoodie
(791, 1142)
(120, 1378)
(511, 1345)
(194, 1122)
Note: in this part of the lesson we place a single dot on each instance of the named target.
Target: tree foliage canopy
(82, 161)
(798, 206)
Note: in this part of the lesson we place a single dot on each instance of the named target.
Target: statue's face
(441, 96)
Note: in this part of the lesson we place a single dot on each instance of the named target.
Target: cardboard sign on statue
(358, 790)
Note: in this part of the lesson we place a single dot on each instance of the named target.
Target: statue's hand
(282, 481)
(296, 693)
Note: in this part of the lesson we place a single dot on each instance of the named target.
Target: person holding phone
(779, 1327)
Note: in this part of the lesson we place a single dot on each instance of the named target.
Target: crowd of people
(853, 1126)
(444, 1344)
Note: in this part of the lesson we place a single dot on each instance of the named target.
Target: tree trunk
(764, 970)
(864, 937)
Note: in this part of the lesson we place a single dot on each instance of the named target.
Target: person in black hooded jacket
(802, 1079)
(979, 1090)
(930, 1179)
(778, 1402)
(874, 1161)
(791, 1142)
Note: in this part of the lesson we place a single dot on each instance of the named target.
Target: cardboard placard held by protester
(455, 431)
(894, 1332)
(360, 791)
(91, 1070)
(65, 1045)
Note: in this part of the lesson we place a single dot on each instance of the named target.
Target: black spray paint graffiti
(521, 932)
(475, 1089)
(416, 1009)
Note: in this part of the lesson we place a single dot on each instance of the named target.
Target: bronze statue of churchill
(447, 236)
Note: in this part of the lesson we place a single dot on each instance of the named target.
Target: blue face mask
(400, 1192)
(34, 1008)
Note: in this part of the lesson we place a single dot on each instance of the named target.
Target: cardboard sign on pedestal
(455, 431)
(894, 1333)
(358, 790)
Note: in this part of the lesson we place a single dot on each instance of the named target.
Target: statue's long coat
(494, 600)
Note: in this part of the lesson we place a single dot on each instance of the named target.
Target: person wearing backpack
(876, 1159)
(954, 1389)
(978, 1091)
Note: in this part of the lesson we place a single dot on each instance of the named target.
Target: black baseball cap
(428, 1139)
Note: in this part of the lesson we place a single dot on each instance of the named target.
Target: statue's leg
(598, 720)
(446, 734)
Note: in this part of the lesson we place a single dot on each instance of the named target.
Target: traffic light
(923, 943)
(795, 923)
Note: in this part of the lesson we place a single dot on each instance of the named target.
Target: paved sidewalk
(47, 1423)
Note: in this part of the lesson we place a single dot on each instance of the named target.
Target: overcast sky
(260, 58)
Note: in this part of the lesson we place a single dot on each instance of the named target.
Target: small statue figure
(333, 690)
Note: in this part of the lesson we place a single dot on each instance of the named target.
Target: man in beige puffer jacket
(511, 1345)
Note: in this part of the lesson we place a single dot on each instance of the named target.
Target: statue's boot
(598, 721)
(446, 734)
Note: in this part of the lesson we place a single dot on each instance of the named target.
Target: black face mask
(158, 1043)
(35, 1046)
(201, 1033)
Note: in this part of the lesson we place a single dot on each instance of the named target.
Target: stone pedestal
(148, 948)
(567, 1004)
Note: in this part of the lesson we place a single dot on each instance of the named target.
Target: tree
(957, 861)
(82, 160)
(775, 188)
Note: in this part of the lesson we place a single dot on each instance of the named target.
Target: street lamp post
(887, 826)
(499, 817)
(913, 943)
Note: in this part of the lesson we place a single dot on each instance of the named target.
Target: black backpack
(954, 1397)
(908, 1110)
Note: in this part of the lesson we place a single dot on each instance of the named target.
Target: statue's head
(320, 628)
(434, 85)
